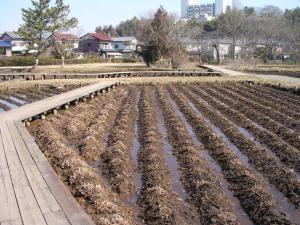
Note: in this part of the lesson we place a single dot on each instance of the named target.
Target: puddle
(22, 97)
(133, 199)
(213, 165)
(283, 204)
(170, 159)
(30, 96)
(15, 99)
(8, 104)
(250, 136)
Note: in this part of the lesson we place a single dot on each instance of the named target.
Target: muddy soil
(277, 174)
(161, 204)
(286, 153)
(243, 182)
(177, 154)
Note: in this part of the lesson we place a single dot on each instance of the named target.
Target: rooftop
(100, 37)
(123, 39)
(65, 36)
(13, 35)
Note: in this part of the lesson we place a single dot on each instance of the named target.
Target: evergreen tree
(43, 20)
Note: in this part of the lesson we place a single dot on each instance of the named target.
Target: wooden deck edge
(187, 73)
(45, 106)
(71, 208)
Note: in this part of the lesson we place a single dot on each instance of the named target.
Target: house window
(89, 44)
(2, 51)
(116, 46)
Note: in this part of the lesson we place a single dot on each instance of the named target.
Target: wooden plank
(42, 193)
(56, 218)
(14, 222)
(47, 202)
(36, 108)
(9, 210)
(30, 212)
(75, 214)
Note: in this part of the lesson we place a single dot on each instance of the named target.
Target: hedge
(29, 61)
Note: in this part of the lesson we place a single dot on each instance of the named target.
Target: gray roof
(123, 39)
(13, 35)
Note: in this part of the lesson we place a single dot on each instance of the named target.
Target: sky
(92, 13)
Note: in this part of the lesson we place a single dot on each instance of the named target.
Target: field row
(198, 154)
(11, 99)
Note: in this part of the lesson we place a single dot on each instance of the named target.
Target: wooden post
(92, 96)
(27, 123)
(66, 106)
(84, 99)
(55, 111)
(43, 117)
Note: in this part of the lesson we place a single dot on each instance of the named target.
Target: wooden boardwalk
(30, 191)
(28, 76)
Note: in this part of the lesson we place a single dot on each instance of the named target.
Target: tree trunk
(233, 48)
(62, 62)
(218, 52)
(36, 63)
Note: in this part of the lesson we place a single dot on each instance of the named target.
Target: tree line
(161, 35)
(259, 34)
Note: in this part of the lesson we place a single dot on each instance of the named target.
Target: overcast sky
(92, 13)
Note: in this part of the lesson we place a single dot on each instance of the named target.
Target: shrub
(125, 60)
(45, 60)
(30, 60)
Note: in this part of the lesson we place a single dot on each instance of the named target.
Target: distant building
(95, 42)
(108, 47)
(125, 45)
(222, 6)
(67, 39)
(20, 45)
(184, 7)
(5, 48)
(192, 46)
(205, 18)
(203, 12)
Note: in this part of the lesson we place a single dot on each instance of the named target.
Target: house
(96, 43)
(192, 46)
(67, 39)
(208, 47)
(5, 48)
(125, 45)
(20, 45)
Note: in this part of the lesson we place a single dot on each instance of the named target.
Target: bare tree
(271, 11)
(273, 31)
(231, 25)
(63, 51)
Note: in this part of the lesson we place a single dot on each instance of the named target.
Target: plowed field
(180, 154)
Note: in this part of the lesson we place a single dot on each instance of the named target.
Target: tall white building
(195, 11)
(222, 6)
(184, 7)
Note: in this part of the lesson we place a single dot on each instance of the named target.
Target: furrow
(248, 187)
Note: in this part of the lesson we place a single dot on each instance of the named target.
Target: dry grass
(79, 68)
(263, 67)
(17, 84)
(92, 68)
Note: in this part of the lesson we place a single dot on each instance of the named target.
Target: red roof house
(95, 42)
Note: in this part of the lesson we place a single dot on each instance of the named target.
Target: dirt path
(273, 78)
